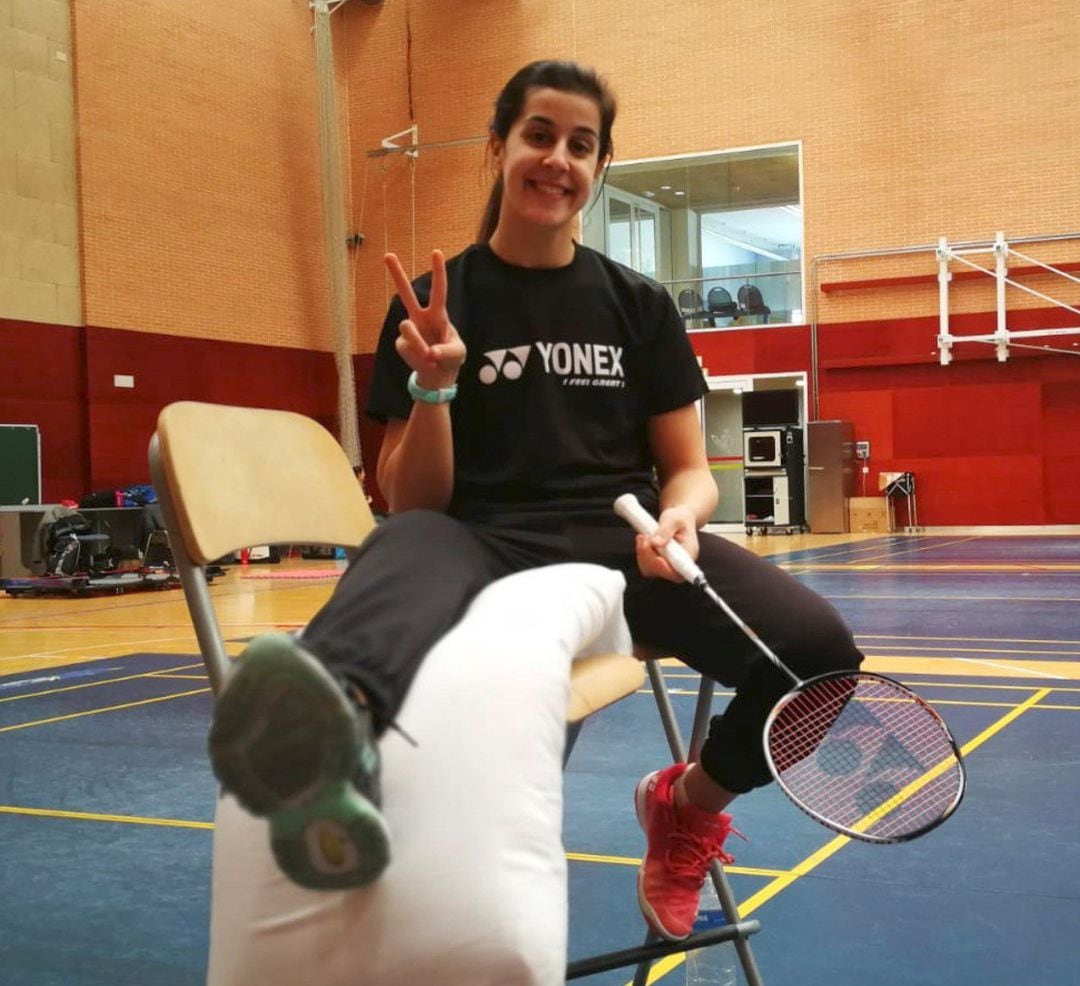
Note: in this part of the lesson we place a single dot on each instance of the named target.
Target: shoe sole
(651, 919)
(285, 741)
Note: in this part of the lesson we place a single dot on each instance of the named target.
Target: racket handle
(628, 507)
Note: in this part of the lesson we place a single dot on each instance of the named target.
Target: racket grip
(628, 507)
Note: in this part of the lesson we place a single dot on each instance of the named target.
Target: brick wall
(200, 164)
(918, 119)
(39, 267)
(199, 170)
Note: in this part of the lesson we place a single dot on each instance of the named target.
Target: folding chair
(230, 477)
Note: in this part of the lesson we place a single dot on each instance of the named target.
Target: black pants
(415, 575)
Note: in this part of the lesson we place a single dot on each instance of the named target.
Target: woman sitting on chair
(525, 384)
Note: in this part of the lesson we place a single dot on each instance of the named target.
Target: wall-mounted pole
(333, 202)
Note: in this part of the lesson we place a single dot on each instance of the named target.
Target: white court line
(92, 647)
(1009, 667)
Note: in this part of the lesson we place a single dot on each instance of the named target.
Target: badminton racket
(858, 752)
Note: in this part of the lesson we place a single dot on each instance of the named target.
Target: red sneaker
(681, 848)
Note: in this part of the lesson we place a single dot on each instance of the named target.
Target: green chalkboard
(20, 464)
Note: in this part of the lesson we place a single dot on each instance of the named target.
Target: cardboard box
(871, 515)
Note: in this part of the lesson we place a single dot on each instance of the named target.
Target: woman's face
(549, 160)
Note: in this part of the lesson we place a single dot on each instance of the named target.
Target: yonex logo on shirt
(578, 364)
(510, 361)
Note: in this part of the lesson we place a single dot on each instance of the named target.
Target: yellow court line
(952, 667)
(944, 666)
(191, 677)
(94, 712)
(1001, 651)
(940, 597)
(95, 684)
(1041, 707)
(970, 640)
(969, 568)
(981, 667)
(585, 857)
(846, 549)
(119, 649)
(960, 702)
(912, 549)
(46, 654)
(91, 816)
(995, 688)
(964, 703)
(966, 685)
(975, 705)
(873, 551)
(782, 882)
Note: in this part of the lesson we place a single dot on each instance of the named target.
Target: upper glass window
(723, 232)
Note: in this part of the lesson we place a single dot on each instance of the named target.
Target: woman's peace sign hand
(428, 342)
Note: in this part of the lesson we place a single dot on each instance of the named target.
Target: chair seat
(601, 680)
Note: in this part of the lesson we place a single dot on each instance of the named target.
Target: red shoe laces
(691, 854)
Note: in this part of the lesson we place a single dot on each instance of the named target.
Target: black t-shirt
(564, 368)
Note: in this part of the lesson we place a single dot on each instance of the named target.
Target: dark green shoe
(291, 746)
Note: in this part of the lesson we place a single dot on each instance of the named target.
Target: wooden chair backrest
(241, 476)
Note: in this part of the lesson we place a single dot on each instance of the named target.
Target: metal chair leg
(573, 730)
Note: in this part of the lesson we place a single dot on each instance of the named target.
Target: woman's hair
(563, 76)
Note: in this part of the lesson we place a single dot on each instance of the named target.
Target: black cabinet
(774, 495)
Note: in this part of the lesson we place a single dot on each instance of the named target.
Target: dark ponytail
(563, 76)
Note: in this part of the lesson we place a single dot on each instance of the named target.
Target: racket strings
(865, 755)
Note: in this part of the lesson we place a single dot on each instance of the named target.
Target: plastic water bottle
(715, 964)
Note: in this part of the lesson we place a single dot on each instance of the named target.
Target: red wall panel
(977, 489)
(1061, 480)
(872, 412)
(41, 383)
(172, 368)
(893, 342)
(94, 434)
(963, 421)
(1061, 417)
(776, 350)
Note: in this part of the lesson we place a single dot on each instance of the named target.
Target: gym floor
(106, 798)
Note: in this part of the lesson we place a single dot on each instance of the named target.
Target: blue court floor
(106, 798)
